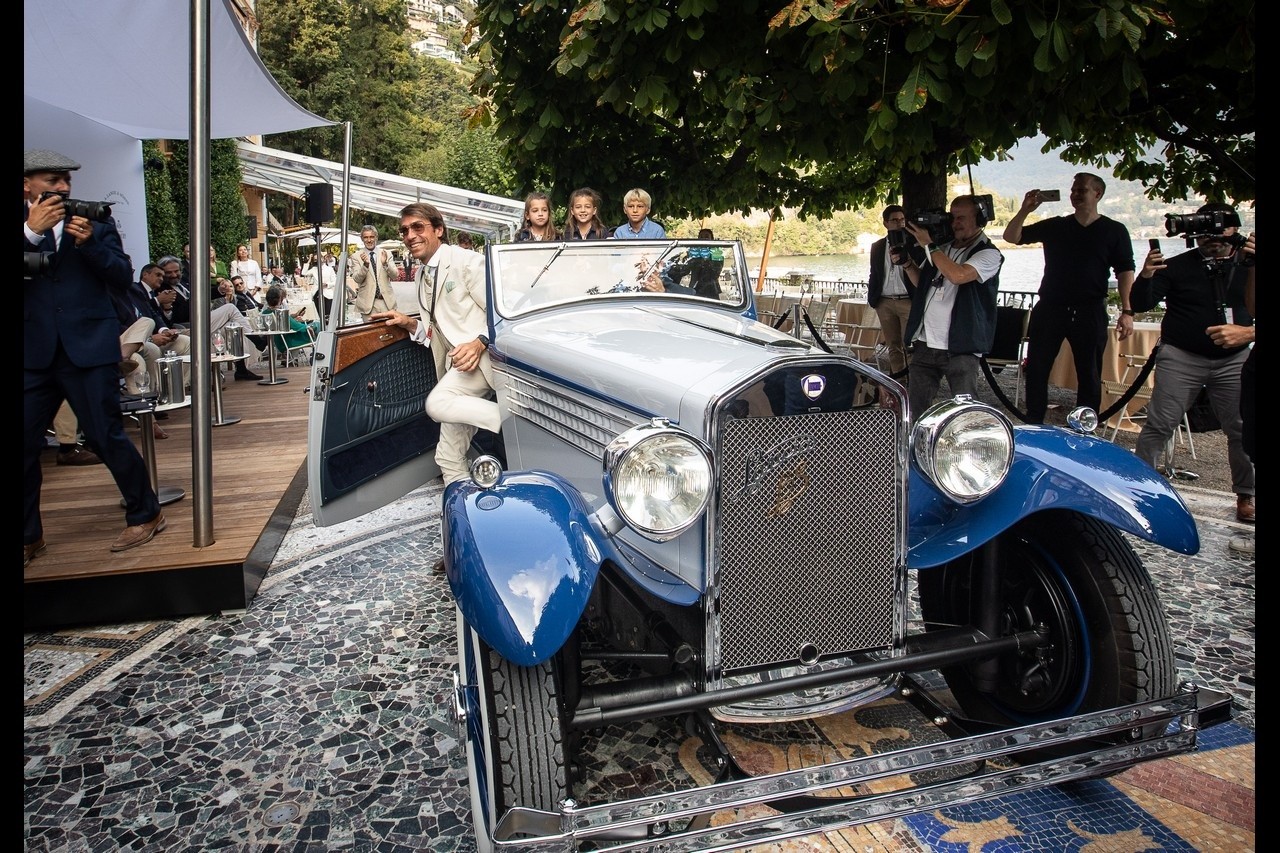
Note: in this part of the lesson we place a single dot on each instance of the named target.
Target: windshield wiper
(672, 245)
(550, 261)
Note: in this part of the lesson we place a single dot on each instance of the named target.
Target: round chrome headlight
(964, 447)
(658, 479)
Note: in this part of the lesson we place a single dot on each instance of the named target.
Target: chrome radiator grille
(808, 526)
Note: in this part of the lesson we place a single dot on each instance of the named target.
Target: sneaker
(1241, 545)
(78, 456)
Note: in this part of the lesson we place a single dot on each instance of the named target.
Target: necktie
(373, 268)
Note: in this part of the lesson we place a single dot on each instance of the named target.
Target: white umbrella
(328, 237)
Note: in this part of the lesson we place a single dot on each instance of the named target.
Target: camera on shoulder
(936, 221)
(94, 211)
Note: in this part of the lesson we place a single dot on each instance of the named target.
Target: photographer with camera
(1204, 339)
(953, 313)
(1079, 252)
(889, 291)
(71, 346)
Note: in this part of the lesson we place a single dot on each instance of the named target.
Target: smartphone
(1154, 243)
(1051, 195)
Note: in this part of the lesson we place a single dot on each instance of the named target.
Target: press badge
(1229, 315)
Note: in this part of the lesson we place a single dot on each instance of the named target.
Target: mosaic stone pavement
(319, 719)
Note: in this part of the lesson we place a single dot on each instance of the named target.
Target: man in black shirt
(1204, 341)
(1079, 253)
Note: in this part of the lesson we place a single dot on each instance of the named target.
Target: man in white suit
(370, 276)
(451, 288)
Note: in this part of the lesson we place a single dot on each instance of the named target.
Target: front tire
(515, 735)
(1109, 640)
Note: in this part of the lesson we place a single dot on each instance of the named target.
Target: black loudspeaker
(252, 223)
(319, 203)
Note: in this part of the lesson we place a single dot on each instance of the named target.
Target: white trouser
(460, 404)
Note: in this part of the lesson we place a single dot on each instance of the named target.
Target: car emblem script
(813, 385)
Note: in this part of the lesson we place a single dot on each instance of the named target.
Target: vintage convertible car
(691, 514)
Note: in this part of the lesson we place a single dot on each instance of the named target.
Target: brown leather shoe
(139, 534)
(78, 456)
(30, 552)
(1244, 508)
(127, 366)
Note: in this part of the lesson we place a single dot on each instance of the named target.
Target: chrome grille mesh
(807, 536)
(588, 428)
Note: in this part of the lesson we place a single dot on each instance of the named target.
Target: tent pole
(198, 238)
(339, 308)
(764, 259)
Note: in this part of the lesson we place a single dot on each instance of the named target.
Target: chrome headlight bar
(964, 447)
(658, 479)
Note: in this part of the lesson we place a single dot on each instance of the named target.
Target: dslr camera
(38, 263)
(94, 211)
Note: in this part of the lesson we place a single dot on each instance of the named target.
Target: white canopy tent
(125, 70)
(119, 71)
(492, 216)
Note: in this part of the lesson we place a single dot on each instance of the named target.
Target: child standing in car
(584, 217)
(537, 219)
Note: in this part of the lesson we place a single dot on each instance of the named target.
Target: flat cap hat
(44, 160)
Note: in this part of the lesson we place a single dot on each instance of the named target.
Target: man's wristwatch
(484, 339)
(1128, 312)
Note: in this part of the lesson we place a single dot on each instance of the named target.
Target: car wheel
(1109, 640)
(515, 737)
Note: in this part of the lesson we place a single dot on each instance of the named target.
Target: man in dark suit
(889, 290)
(71, 347)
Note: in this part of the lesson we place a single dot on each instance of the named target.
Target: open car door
(369, 440)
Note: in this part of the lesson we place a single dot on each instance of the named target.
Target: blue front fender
(522, 558)
(1052, 469)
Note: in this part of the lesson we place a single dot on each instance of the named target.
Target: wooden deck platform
(258, 480)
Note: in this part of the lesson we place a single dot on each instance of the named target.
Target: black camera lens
(94, 211)
(38, 263)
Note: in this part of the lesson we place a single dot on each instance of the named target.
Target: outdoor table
(217, 361)
(146, 423)
(272, 379)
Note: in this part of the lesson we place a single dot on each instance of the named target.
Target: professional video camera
(1208, 224)
(38, 263)
(95, 211)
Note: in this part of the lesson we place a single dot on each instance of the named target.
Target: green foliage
(227, 225)
(352, 62)
(823, 106)
(165, 234)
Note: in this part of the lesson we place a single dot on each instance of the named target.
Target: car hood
(658, 360)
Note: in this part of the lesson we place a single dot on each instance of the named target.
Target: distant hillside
(1124, 200)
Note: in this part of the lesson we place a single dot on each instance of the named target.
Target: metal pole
(340, 288)
(198, 238)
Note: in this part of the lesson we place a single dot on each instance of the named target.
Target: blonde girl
(584, 216)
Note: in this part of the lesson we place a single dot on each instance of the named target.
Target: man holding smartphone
(1080, 252)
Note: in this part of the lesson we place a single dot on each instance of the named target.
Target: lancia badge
(813, 385)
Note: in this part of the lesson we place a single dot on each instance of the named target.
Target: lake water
(1022, 270)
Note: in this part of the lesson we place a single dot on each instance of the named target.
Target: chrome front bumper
(682, 820)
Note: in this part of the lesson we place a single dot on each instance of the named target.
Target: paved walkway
(319, 719)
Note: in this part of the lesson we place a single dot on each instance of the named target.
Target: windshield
(530, 276)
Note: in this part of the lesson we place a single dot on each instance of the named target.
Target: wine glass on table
(219, 344)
